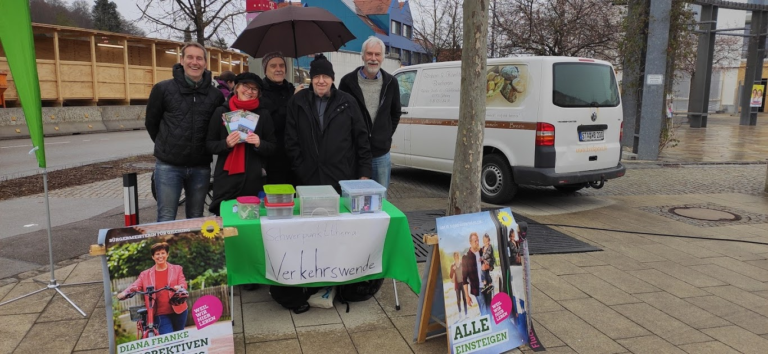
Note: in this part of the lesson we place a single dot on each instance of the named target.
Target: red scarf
(235, 162)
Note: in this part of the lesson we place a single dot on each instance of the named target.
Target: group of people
(472, 275)
(315, 136)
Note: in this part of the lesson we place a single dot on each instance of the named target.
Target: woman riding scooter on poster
(171, 316)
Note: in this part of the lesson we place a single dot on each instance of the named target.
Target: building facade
(389, 20)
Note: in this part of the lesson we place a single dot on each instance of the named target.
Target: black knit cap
(321, 66)
(249, 77)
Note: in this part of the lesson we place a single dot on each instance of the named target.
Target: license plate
(592, 136)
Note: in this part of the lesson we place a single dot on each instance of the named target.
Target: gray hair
(196, 45)
(372, 40)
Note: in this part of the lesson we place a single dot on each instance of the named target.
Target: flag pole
(53, 283)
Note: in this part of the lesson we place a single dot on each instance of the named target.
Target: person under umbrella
(277, 92)
(239, 164)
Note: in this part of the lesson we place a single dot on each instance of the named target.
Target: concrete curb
(73, 120)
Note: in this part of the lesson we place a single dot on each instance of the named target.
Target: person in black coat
(277, 91)
(239, 165)
(327, 142)
(325, 135)
(177, 117)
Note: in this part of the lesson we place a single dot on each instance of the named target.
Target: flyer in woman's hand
(240, 121)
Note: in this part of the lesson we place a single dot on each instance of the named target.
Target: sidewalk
(641, 294)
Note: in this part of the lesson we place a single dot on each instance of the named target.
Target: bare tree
(207, 19)
(727, 53)
(587, 28)
(464, 196)
(439, 28)
(80, 14)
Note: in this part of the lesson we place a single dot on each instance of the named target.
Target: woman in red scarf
(239, 165)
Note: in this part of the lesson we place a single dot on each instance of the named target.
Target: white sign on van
(654, 79)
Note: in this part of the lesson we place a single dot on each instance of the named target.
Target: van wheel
(570, 188)
(496, 181)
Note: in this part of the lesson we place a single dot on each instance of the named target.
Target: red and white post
(131, 199)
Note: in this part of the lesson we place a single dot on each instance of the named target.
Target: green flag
(19, 47)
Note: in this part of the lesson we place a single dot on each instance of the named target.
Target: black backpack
(359, 291)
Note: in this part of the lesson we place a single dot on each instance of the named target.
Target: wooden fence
(89, 66)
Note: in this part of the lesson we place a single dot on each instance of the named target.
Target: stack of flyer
(240, 121)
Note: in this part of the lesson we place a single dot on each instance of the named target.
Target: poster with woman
(484, 284)
(757, 96)
(169, 287)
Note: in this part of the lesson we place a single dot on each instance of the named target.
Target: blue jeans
(482, 305)
(170, 179)
(382, 167)
(171, 323)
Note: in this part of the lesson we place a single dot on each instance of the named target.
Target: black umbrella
(295, 31)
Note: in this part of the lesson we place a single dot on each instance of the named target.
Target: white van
(550, 121)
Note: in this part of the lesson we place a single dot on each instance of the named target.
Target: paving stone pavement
(642, 294)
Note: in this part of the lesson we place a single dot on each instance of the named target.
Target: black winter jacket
(250, 183)
(337, 152)
(177, 118)
(381, 129)
(275, 99)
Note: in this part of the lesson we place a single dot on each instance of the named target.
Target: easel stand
(52, 284)
(427, 323)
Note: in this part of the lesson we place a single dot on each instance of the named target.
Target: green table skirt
(245, 252)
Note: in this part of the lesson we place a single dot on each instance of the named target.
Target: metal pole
(651, 118)
(702, 76)
(50, 238)
(754, 68)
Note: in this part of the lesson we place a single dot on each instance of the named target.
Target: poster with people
(169, 287)
(757, 96)
(483, 265)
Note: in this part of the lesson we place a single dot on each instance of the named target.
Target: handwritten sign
(327, 249)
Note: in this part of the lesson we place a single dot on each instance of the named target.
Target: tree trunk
(464, 196)
(199, 22)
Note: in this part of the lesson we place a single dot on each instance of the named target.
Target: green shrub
(210, 279)
(197, 255)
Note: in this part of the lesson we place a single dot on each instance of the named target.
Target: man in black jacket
(378, 95)
(325, 135)
(178, 112)
(327, 142)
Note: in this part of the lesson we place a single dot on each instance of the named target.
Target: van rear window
(584, 85)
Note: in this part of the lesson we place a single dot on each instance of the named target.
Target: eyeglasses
(250, 88)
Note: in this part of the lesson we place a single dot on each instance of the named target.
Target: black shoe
(301, 309)
(250, 287)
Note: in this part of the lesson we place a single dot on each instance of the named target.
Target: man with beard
(276, 93)
(378, 96)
